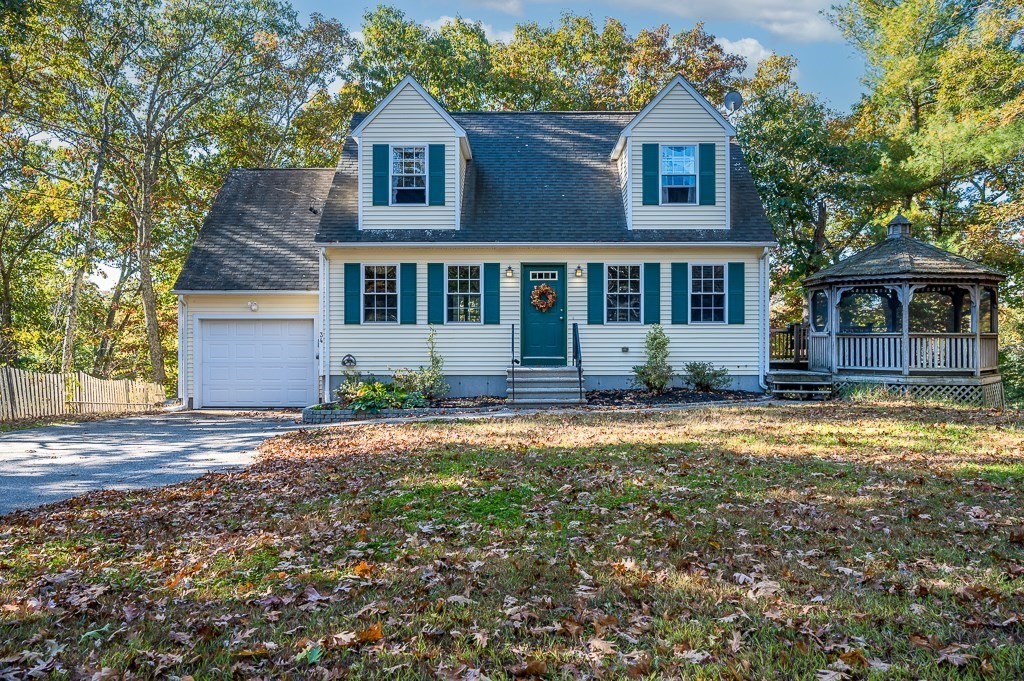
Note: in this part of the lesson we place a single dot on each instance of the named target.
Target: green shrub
(656, 373)
(1011, 366)
(429, 380)
(704, 377)
(376, 396)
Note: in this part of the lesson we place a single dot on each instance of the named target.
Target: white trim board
(548, 244)
(243, 292)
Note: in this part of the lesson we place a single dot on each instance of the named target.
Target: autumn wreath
(543, 297)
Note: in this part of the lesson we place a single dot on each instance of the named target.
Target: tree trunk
(8, 349)
(67, 355)
(92, 217)
(105, 349)
(148, 295)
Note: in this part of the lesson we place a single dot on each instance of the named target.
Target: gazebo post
(833, 327)
(976, 326)
(905, 293)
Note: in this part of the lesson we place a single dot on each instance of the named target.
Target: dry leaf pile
(824, 542)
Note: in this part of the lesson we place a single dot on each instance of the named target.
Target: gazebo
(906, 316)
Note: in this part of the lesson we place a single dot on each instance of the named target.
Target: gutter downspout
(762, 346)
(325, 323)
(184, 370)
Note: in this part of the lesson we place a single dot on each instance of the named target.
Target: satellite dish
(733, 101)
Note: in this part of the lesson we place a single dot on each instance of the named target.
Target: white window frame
(362, 292)
(605, 292)
(426, 173)
(447, 292)
(696, 176)
(725, 292)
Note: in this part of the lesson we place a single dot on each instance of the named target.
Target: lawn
(794, 541)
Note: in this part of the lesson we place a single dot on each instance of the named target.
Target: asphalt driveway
(42, 465)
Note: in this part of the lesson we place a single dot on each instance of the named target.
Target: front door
(543, 334)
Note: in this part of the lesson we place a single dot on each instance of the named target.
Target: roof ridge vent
(899, 227)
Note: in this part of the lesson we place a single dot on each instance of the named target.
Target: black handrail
(514, 362)
(577, 355)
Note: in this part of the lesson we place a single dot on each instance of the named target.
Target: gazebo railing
(882, 351)
(788, 344)
(942, 351)
(926, 352)
(989, 351)
(819, 352)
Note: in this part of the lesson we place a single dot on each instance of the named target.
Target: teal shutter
(706, 170)
(651, 176)
(435, 293)
(381, 174)
(353, 293)
(407, 299)
(595, 293)
(680, 293)
(652, 293)
(435, 178)
(492, 293)
(736, 292)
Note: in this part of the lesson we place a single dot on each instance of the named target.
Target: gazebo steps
(800, 385)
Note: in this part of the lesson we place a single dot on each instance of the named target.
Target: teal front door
(543, 332)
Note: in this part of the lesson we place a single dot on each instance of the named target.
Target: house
(509, 233)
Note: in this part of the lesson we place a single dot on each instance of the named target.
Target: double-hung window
(380, 294)
(624, 294)
(678, 174)
(707, 293)
(409, 175)
(463, 294)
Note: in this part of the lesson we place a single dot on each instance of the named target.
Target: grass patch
(841, 541)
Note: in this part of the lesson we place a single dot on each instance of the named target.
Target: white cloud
(489, 30)
(798, 20)
(750, 48)
(514, 7)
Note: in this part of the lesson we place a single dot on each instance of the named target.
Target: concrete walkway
(43, 465)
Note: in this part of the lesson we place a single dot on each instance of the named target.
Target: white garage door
(258, 363)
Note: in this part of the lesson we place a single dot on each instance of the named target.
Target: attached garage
(256, 363)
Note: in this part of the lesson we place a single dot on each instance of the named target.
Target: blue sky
(753, 28)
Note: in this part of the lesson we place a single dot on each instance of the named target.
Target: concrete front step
(532, 402)
(544, 386)
(565, 383)
(542, 371)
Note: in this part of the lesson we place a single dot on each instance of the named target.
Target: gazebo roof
(902, 257)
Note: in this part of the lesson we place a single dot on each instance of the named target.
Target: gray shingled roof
(901, 258)
(542, 177)
(259, 233)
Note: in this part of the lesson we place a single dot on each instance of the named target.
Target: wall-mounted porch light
(509, 272)
(579, 270)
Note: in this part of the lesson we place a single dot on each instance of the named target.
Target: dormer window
(409, 176)
(678, 174)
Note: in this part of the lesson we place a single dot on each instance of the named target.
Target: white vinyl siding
(484, 349)
(237, 306)
(678, 120)
(408, 120)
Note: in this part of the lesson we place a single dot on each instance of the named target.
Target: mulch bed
(642, 398)
(606, 398)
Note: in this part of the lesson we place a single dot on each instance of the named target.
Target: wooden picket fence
(31, 395)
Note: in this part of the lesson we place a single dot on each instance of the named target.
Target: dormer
(673, 162)
(412, 160)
